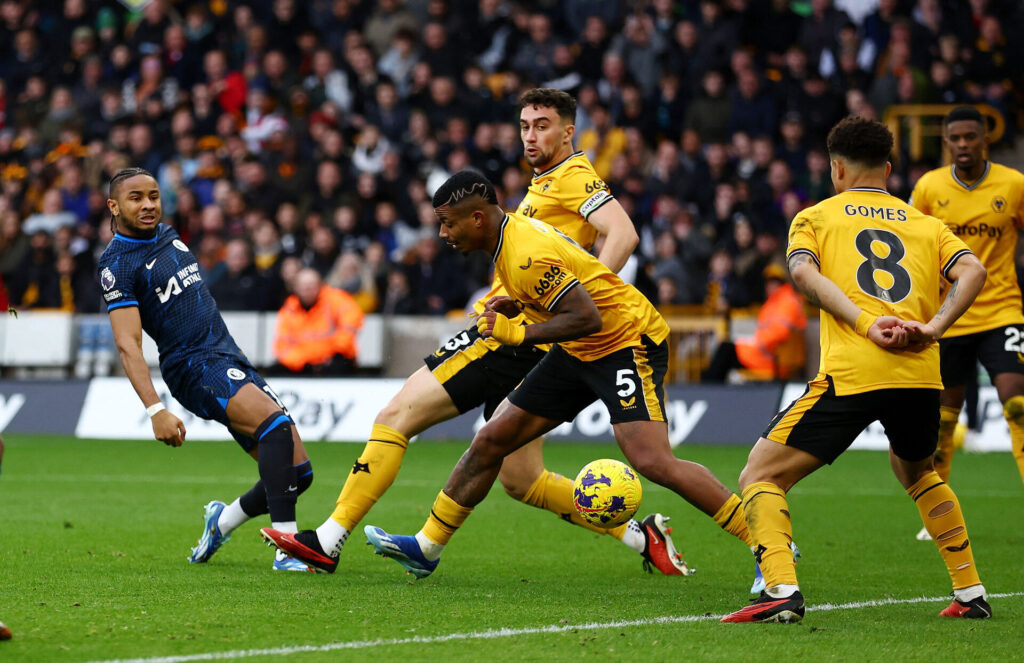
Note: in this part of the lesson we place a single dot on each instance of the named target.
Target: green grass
(96, 534)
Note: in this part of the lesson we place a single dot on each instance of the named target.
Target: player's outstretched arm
(968, 278)
(127, 327)
(620, 238)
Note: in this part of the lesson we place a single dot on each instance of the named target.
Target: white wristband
(154, 408)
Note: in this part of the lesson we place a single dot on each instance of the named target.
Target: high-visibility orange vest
(780, 318)
(313, 337)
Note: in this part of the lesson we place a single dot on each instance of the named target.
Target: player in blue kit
(152, 282)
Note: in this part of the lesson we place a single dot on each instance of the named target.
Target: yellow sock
(943, 519)
(1013, 410)
(767, 514)
(944, 449)
(371, 475)
(554, 492)
(731, 518)
(446, 516)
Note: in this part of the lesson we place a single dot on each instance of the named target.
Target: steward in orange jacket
(317, 327)
(781, 318)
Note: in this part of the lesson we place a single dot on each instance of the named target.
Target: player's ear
(888, 169)
(113, 207)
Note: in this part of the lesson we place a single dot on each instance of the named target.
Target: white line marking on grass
(493, 634)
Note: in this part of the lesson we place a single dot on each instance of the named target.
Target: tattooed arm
(821, 291)
(968, 276)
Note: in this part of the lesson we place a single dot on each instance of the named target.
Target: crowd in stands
(291, 134)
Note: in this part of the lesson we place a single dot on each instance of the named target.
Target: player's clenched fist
(492, 324)
(168, 428)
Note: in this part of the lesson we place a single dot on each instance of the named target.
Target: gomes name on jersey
(876, 212)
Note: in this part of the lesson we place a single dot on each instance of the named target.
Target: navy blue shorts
(205, 384)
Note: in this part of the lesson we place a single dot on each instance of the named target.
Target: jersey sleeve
(951, 249)
(919, 197)
(802, 239)
(581, 191)
(117, 278)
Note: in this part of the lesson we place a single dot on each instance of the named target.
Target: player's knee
(651, 466)
(487, 449)
(303, 476)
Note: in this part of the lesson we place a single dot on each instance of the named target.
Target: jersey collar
(972, 187)
(557, 165)
(125, 238)
(501, 239)
(870, 189)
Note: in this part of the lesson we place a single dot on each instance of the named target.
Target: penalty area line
(493, 634)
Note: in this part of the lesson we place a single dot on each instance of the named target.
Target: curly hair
(863, 141)
(549, 97)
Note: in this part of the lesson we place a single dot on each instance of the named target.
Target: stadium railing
(924, 121)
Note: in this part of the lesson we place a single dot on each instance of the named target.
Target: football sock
(303, 476)
(1013, 410)
(781, 591)
(767, 514)
(632, 534)
(288, 527)
(274, 437)
(234, 515)
(371, 475)
(446, 516)
(968, 594)
(332, 537)
(944, 449)
(730, 517)
(553, 492)
(943, 519)
(254, 502)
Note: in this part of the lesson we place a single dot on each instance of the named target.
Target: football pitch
(96, 534)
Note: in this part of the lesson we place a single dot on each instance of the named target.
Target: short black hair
(549, 97)
(122, 175)
(969, 113)
(464, 185)
(863, 141)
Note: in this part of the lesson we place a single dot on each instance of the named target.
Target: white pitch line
(508, 632)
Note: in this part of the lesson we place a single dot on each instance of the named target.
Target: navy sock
(303, 476)
(274, 437)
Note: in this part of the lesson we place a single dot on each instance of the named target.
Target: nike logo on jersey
(942, 203)
(527, 265)
(149, 265)
(292, 489)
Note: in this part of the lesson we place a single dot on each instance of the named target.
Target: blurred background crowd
(288, 134)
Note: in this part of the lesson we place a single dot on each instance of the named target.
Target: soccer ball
(607, 493)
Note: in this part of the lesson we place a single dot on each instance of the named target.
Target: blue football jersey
(162, 278)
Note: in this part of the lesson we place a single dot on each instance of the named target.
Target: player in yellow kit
(610, 345)
(983, 204)
(470, 370)
(873, 265)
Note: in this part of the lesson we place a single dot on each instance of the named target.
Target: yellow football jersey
(562, 196)
(538, 265)
(986, 216)
(888, 258)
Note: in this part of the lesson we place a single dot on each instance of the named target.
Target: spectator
(236, 284)
(317, 328)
